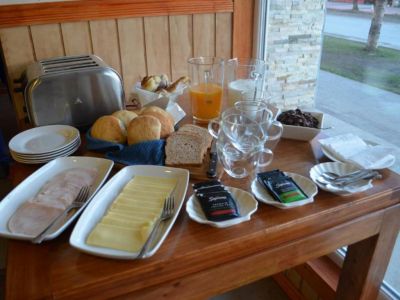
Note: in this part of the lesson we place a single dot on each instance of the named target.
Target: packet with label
(216, 202)
(282, 187)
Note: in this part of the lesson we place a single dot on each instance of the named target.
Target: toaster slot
(73, 67)
(70, 63)
(65, 60)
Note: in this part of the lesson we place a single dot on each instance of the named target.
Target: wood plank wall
(132, 46)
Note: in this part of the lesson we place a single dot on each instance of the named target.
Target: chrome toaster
(71, 90)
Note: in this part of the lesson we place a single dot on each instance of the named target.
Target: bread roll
(125, 116)
(149, 83)
(109, 128)
(143, 128)
(166, 120)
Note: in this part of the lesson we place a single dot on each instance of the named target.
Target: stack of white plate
(42, 144)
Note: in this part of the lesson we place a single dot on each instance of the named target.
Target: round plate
(304, 183)
(45, 160)
(75, 144)
(340, 169)
(43, 140)
(246, 203)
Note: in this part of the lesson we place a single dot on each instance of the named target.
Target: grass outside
(349, 59)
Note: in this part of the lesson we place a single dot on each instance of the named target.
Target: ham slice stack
(35, 214)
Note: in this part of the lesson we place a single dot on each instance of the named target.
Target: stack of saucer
(43, 144)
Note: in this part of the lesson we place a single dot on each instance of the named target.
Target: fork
(167, 212)
(79, 201)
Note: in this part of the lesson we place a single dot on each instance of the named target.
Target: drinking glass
(245, 78)
(240, 143)
(259, 112)
(207, 77)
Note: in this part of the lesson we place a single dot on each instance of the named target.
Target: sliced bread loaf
(184, 148)
(207, 138)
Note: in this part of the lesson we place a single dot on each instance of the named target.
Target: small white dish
(303, 133)
(31, 186)
(340, 169)
(334, 158)
(100, 203)
(42, 140)
(304, 183)
(246, 203)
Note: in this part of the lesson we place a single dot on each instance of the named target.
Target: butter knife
(212, 167)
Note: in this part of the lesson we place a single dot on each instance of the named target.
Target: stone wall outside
(293, 51)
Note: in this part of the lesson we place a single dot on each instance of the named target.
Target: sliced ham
(31, 218)
(63, 188)
(55, 195)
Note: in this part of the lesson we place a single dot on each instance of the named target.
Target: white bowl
(147, 98)
(303, 133)
(340, 169)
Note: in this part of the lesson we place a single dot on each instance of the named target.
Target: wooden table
(198, 261)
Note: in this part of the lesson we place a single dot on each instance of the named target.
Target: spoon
(331, 176)
(338, 188)
(347, 182)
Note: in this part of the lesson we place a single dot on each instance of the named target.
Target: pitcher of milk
(245, 79)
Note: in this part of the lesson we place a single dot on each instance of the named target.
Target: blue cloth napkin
(146, 153)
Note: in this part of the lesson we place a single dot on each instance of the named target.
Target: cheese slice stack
(131, 217)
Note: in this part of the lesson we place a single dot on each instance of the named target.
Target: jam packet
(217, 203)
(282, 187)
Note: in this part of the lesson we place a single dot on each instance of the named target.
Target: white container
(303, 133)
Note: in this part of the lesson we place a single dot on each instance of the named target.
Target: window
(357, 89)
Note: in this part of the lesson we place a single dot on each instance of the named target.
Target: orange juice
(206, 101)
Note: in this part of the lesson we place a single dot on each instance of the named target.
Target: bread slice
(207, 138)
(184, 148)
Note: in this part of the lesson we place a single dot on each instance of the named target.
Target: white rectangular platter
(105, 197)
(31, 186)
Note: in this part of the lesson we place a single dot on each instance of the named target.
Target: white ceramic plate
(70, 147)
(42, 140)
(247, 205)
(305, 184)
(31, 186)
(340, 169)
(334, 158)
(53, 153)
(100, 203)
(47, 159)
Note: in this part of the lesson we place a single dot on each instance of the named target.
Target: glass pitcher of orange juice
(207, 77)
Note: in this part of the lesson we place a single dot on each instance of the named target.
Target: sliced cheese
(125, 223)
(131, 217)
(134, 207)
(144, 194)
(140, 201)
(115, 237)
(153, 180)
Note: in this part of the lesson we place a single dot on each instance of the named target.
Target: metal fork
(79, 201)
(167, 212)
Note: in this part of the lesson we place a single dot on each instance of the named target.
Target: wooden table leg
(366, 261)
